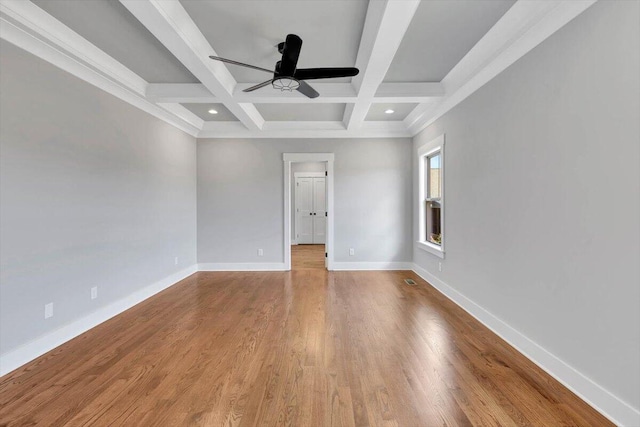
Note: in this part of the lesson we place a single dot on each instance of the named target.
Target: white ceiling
(400, 111)
(440, 34)
(110, 26)
(301, 112)
(248, 31)
(202, 110)
(418, 58)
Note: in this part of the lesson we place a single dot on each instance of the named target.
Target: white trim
(306, 129)
(197, 93)
(595, 395)
(308, 174)
(36, 348)
(598, 397)
(431, 248)
(524, 26)
(241, 266)
(289, 158)
(34, 20)
(170, 23)
(308, 157)
(37, 44)
(183, 113)
(385, 25)
(433, 146)
(371, 266)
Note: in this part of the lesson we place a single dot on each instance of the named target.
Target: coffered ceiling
(416, 59)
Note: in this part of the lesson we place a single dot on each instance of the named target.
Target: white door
(311, 210)
(319, 210)
(304, 210)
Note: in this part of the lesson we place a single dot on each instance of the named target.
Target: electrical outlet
(352, 252)
(260, 252)
(94, 292)
(175, 261)
(48, 310)
(439, 266)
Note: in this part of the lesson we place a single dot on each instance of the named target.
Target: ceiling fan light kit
(286, 76)
(285, 84)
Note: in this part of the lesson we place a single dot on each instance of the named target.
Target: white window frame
(427, 150)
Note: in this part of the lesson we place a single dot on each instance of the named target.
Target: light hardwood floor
(305, 257)
(300, 348)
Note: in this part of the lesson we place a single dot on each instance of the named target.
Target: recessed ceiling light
(212, 111)
(389, 111)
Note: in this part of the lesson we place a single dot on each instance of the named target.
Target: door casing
(289, 158)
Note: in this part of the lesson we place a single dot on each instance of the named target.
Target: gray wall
(240, 198)
(542, 196)
(295, 168)
(93, 192)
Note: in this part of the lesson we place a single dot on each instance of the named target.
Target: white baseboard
(595, 395)
(356, 266)
(241, 266)
(27, 352)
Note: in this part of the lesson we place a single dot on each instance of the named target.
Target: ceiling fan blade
(307, 90)
(231, 61)
(324, 73)
(290, 54)
(258, 86)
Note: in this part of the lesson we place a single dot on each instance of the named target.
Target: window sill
(431, 248)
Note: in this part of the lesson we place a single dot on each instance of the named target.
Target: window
(431, 197)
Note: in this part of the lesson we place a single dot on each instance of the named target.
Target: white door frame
(296, 175)
(289, 158)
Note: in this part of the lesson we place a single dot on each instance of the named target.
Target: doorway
(308, 218)
(309, 206)
(309, 215)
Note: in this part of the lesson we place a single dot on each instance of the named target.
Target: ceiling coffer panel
(211, 112)
(249, 32)
(301, 112)
(111, 27)
(440, 35)
(389, 112)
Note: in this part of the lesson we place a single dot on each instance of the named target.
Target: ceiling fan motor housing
(287, 76)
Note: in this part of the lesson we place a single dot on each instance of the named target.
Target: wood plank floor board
(300, 348)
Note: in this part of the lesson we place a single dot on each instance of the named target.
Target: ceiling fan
(286, 76)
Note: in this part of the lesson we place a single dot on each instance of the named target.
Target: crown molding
(305, 130)
(28, 27)
(525, 25)
(170, 23)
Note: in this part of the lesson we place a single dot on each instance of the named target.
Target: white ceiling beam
(25, 25)
(303, 125)
(181, 93)
(197, 93)
(172, 26)
(409, 92)
(301, 130)
(385, 26)
(329, 93)
(184, 114)
(524, 26)
(45, 27)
